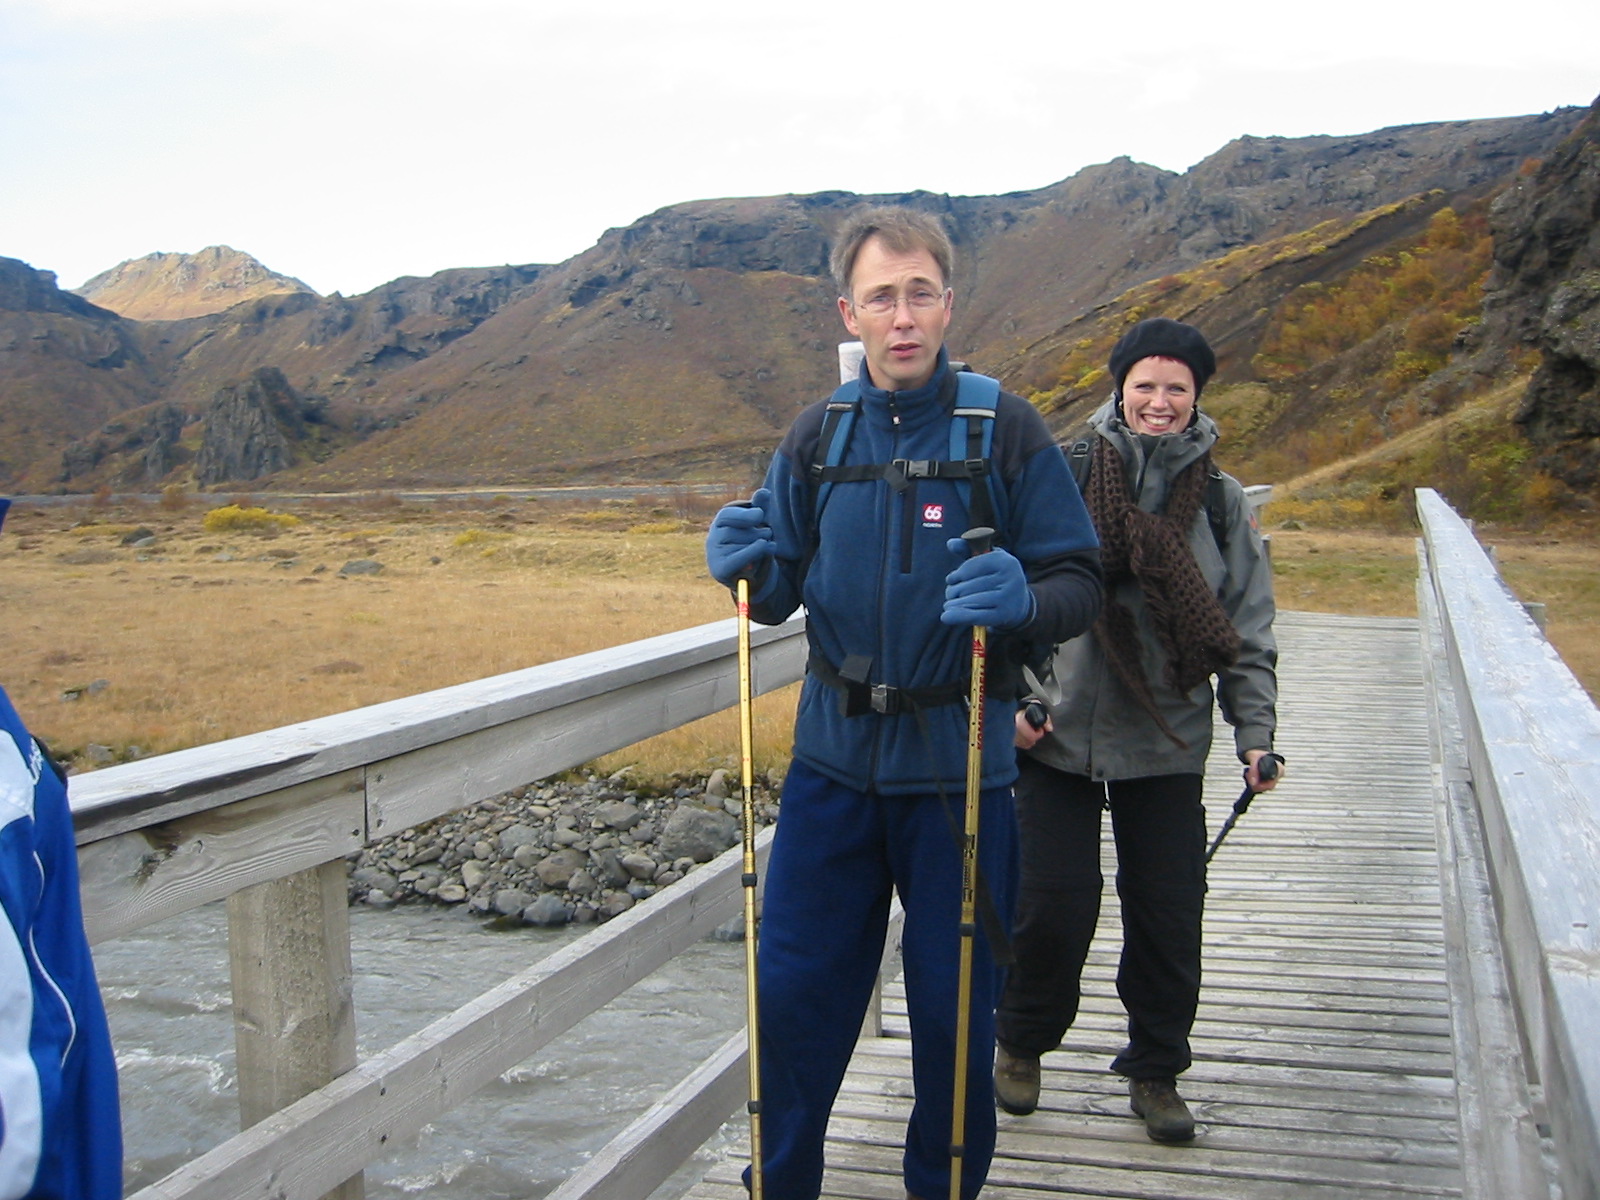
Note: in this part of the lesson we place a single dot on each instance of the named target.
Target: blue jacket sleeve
(1049, 529)
(61, 1127)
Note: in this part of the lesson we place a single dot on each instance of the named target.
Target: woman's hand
(1028, 736)
(1252, 771)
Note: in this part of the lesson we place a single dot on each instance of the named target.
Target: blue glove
(989, 589)
(740, 540)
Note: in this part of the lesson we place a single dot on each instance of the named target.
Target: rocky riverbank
(577, 850)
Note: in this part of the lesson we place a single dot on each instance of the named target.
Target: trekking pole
(746, 740)
(1267, 768)
(979, 541)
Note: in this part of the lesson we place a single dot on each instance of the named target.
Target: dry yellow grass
(208, 635)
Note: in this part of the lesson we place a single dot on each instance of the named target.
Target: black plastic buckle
(885, 699)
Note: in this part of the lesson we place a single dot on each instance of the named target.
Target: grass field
(235, 622)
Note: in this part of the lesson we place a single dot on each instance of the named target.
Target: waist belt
(858, 697)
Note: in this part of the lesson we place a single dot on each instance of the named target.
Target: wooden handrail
(163, 835)
(1532, 741)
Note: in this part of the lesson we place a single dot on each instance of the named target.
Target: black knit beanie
(1160, 337)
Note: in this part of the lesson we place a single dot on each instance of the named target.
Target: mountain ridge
(681, 345)
(168, 287)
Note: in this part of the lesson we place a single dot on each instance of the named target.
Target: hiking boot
(1166, 1117)
(1016, 1081)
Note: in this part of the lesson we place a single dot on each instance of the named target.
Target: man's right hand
(740, 539)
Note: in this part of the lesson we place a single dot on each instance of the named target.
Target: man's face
(1158, 396)
(899, 307)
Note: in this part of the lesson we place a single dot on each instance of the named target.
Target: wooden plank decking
(1323, 1049)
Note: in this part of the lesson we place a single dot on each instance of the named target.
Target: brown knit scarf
(1190, 625)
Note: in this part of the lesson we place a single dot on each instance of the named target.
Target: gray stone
(473, 873)
(698, 833)
(618, 814)
(515, 836)
(509, 901)
(371, 877)
(361, 566)
(451, 893)
(640, 866)
(582, 883)
(527, 855)
(717, 785)
(609, 869)
(546, 910)
(557, 868)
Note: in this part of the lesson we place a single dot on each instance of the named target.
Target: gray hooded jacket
(1101, 730)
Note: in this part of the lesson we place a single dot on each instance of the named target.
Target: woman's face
(1158, 396)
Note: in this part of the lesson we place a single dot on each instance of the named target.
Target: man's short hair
(902, 230)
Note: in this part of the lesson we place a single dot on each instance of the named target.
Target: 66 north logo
(933, 516)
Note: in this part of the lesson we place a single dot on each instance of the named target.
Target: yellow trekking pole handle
(979, 540)
(746, 779)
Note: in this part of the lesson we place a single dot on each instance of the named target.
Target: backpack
(1079, 457)
(971, 436)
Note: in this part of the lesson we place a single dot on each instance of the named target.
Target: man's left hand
(988, 589)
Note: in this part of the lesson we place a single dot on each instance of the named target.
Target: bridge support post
(293, 1014)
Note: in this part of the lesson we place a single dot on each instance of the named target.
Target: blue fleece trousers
(837, 856)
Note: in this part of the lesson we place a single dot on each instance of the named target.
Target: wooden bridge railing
(1531, 740)
(267, 820)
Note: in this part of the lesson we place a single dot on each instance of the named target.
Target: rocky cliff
(1544, 294)
(255, 428)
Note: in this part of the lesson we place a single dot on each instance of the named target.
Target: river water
(166, 990)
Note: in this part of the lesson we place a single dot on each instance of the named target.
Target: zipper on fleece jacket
(885, 538)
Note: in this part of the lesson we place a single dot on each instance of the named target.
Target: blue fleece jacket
(60, 1130)
(871, 576)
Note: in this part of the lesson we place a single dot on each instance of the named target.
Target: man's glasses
(883, 303)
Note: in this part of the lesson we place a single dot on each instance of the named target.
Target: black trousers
(1159, 826)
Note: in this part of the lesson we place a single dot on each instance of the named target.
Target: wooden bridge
(1402, 992)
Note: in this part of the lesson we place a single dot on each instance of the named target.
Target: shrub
(231, 518)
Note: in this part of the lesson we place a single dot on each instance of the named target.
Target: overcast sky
(349, 142)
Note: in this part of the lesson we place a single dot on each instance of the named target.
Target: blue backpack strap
(837, 422)
(972, 437)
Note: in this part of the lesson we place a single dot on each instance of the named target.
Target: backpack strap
(1217, 509)
(837, 422)
(971, 438)
(1078, 458)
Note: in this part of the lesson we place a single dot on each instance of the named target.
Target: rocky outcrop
(171, 287)
(1544, 291)
(143, 448)
(252, 429)
(410, 318)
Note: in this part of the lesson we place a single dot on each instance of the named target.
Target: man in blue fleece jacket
(872, 800)
(60, 1128)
